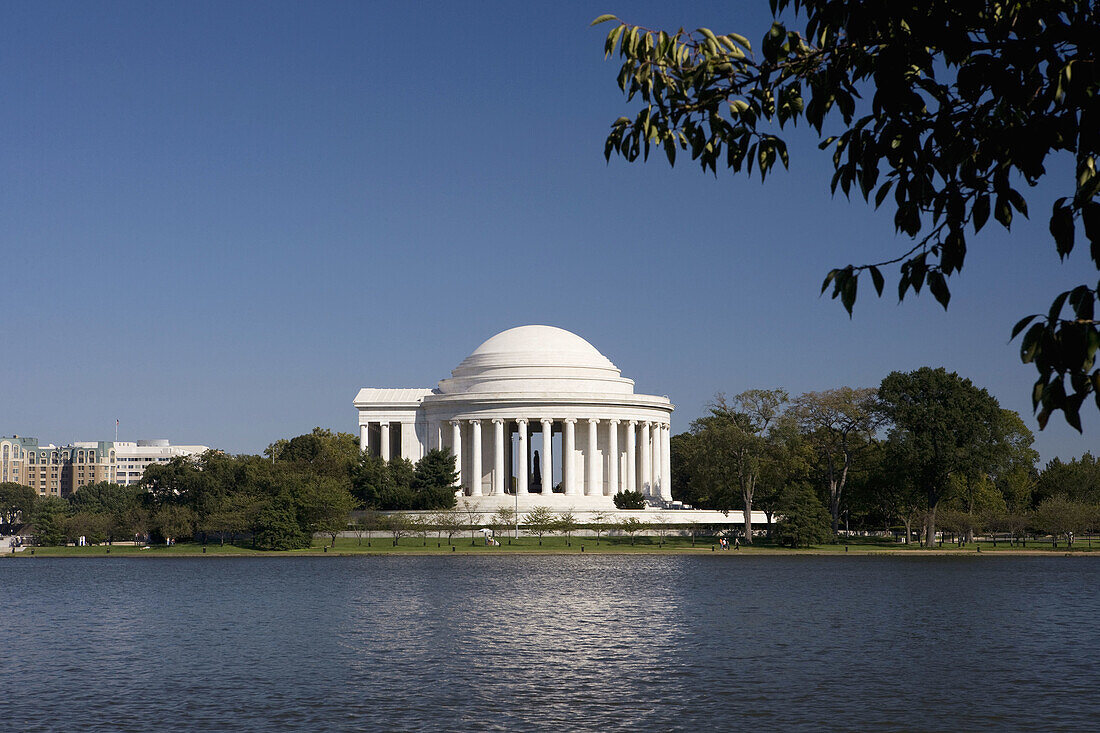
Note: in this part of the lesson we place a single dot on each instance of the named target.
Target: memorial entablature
(535, 414)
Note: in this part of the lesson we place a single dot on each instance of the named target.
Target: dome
(540, 359)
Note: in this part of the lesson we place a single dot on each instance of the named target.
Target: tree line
(302, 486)
(925, 449)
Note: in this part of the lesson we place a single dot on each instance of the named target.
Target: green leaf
(1002, 211)
(1090, 215)
(877, 279)
(1017, 200)
(1021, 325)
(1057, 305)
(1062, 228)
(981, 212)
(848, 292)
(670, 151)
(883, 190)
(1029, 347)
(709, 34)
(744, 42)
(937, 283)
(602, 19)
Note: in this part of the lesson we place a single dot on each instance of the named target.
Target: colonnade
(647, 457)
(385, 449)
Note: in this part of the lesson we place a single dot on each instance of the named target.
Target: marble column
(591, 458)
(364, 437)
(547, 466)
(647, 456)
(568, 448)
(456, 447)
(521, 462)
(498, 456)
(655, 437)
(666, 462)
(632, 455)
(384, 444)
(476, 470)
(612, 486)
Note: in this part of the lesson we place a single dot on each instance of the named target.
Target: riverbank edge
(588, 550)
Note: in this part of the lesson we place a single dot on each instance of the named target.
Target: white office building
(133, 457)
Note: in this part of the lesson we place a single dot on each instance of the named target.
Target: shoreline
(115, 552)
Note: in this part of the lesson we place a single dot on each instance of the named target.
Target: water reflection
(606, 642)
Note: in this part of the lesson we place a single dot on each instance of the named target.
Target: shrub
(629, 500)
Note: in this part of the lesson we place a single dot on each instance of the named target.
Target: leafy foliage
(16, 502)
(629, 500)
(803, 520)
(50, 514)
(737, 444)
(946, 108)
(941, 426)
(838, 423)
(540, 521)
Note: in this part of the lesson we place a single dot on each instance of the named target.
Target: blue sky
(221, 219)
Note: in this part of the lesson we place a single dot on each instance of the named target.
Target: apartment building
(60, 470)
(53, 470)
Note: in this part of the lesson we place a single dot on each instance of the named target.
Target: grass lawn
(379, 545)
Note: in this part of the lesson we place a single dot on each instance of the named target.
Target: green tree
(944, 108)
(941, 426)
(226, 519)
(174, 522)
(803, 521)
(662, 527)
(1061, 517)
(786, 459)
(50, 515)
(369, 479)
(599, 521)
(324, 505)
(683, 458)
(566, 524)
(632, 526)
(398, 492)
(503, 519)
(472, 510)
(837, 423)
(276, 528)
(420, 525)
(370, 522)
(110, 501)
(16, 502)
(540, 521)
(734, 449)
(1077, 479)
(434, 480)
(448, 522)
(893, 488)
(94, 528)
(398, 524)
(320, 452)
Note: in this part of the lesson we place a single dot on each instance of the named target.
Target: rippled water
(526, 642)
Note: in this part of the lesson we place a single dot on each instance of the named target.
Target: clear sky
(220, 220)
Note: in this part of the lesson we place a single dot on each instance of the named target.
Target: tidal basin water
(544, 643)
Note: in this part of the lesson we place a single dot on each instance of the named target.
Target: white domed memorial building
(535, 415)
